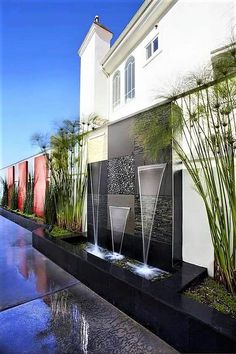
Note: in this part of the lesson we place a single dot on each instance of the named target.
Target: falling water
(149, 179)
(95, 182)
(118, 218)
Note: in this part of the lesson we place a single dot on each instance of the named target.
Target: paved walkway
(46, 310)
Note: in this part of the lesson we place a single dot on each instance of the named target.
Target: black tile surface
(75, 320)
(121, 175)
(178, 217)
(98, 168)
(162, 226)
(25, 274)
(159, 305)
(123, 201)
(120, 138)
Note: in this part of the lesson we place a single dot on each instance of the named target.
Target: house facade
(164, 42)
(128, 80)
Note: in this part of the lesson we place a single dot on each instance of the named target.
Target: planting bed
(160, 305)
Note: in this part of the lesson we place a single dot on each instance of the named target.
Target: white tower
(93, 80)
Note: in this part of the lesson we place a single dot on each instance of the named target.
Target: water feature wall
(118, 220)
(149, 182)
(119, 187)
(95, 182)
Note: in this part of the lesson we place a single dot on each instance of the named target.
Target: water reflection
(65, 315)
(31, 273)
(75, 320)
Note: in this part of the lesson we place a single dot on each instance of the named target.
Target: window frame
(151, 43)
(130, 78)
(116, 89)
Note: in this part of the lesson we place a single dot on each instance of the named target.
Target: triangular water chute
(149, 179)
(118, 218)
(95, 182)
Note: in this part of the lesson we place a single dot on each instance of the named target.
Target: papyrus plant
(67, 162)
(207, 148)
(66, 189)
(201, 128)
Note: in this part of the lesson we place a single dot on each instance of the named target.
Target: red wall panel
(22, 183)
(40, 182)
(10, 181)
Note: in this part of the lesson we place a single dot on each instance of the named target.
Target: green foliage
(29, 199)
(215, 295)
(4, 200)
(59, 232)
(202, 131)
(154, 133)
(66, 192)
(50, 205)
(207, 149)
(14, 198)
(33, 217)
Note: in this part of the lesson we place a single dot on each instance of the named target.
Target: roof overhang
(143, 21)
(100, 29)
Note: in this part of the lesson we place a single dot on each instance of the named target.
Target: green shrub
(29, 199)
(50, 206)
(14, 198)
(4, 199)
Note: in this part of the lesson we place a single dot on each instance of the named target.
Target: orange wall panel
(22, 183)
(40, 182)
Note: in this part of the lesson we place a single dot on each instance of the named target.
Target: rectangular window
(151, 48)
(155, 44)
(148, 51)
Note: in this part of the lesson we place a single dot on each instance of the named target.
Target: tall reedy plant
(68, 176)
(202, 130)
(208, 152)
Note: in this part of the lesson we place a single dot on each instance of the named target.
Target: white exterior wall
(197, 245)
(93, 80)
(87, 79)
(187, 34)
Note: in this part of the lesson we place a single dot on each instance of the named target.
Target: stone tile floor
(46, 310)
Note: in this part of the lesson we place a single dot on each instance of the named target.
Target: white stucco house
(163, 42)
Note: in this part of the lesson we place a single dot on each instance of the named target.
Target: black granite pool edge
(21, 220)
(185, 324)
(160, 306)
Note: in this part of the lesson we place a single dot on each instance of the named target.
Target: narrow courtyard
(45, 309)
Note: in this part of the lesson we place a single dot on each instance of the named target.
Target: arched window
(116, 89)
(130, 79)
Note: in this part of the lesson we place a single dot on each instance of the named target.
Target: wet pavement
(46, 310)
(25, 274)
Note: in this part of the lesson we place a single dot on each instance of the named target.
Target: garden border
(185, 324)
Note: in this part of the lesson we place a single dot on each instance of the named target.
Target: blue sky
(40, 66)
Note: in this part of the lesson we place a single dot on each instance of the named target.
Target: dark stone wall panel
(119, 187)
(103, 179)
(120, 138)
(102, 217)
(123, 201)
(162, 227)
(121, 175)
